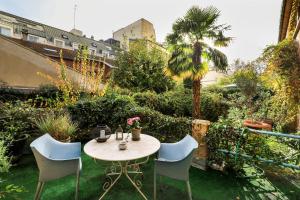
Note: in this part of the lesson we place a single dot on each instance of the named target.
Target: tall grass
(60, 127)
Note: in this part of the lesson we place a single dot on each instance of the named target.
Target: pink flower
(130, 121)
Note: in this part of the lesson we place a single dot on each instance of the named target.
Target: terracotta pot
(136, 134)
(257, 125)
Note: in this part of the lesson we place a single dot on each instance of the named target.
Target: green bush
(115, 109)
(4, 159)
(173, 103)
(142, 68)
(16, 120)
(43, 92)
(179, 103)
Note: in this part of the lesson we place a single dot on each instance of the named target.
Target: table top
(109, 150)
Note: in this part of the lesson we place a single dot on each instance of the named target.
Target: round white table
(124, 162)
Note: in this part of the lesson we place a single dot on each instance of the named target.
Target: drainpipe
(296, 30)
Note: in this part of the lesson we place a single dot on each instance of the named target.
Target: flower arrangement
(134, 123)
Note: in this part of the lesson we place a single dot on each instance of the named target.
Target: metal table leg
(116, 170)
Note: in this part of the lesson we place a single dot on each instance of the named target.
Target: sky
(254, 23)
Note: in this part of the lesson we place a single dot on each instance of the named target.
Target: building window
(92, 51)
(75, 46)
(33, 38)
(5, 31)
(59, 43)
(105, 53)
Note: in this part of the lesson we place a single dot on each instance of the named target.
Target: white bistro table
(124, 162)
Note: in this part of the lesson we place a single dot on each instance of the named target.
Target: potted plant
(134, 126)
(247, 80)
(59, 127)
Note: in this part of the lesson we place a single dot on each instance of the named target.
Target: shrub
(282, 74)
(142, 68)
(7, 190)
(114, 109)
(173, 103)
(223, 135)
(16, 120)
(4, 160)
(179, 103)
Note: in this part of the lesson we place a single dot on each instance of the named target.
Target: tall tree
(142, 68)
(191, 52)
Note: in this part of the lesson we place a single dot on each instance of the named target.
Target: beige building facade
(140, 29)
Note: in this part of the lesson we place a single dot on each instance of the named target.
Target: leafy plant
(89, 80)
(4, 160)
(122, 107)
(16, 121)
(191, 54)
(283, 76)
(7, 190)
(60, 127)
(142, 68)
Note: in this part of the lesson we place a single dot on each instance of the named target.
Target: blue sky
(255, 23)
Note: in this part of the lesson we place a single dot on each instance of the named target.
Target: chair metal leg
(154, 192)
(38, 188)
(189, 189)
(77, 185)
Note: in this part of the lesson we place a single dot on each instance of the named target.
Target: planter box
(199, 130)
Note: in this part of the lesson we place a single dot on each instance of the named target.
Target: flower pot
(257, 125)
(136, 133)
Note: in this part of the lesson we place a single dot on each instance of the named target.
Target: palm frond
(218, 58)
(180, 59)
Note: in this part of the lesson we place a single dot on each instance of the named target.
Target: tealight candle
(102, 134)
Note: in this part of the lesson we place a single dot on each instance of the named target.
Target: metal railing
(236, 153)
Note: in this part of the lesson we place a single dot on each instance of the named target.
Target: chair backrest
(184, 147)
(43, 145)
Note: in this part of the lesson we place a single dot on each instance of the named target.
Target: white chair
(55, 160)
(174, 161)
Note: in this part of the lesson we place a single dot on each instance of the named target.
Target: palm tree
(191, 52)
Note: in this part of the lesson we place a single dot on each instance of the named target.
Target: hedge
(114, 110)
(179, 103)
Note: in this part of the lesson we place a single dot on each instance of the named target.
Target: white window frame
(33, 36)
(75, 45)
(10, 30)
(105, 53)
(93, 49)
(63, 42)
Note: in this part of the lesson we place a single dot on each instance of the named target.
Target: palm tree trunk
(196, 81)
(196, 98)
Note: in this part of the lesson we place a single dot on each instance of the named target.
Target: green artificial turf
(210, 185)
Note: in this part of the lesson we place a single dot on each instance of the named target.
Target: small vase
(136, 134)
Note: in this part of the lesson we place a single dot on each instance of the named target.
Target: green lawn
(210, 185)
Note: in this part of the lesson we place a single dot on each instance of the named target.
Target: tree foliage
(142, 68)
(283, 76)
(191, 52)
